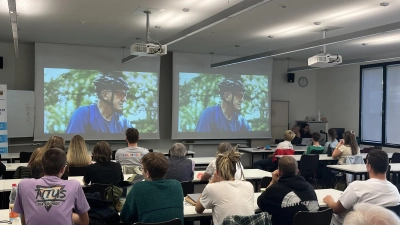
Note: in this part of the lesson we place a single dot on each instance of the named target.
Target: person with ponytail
(224, 194)
(346, 147)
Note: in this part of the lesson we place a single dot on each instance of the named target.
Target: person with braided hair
(224, 194)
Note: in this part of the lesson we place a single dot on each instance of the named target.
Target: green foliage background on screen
(67, 89)
(197, 91)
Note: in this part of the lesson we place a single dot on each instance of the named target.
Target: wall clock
(303, 81)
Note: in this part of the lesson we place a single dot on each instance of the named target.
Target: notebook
(194, 197)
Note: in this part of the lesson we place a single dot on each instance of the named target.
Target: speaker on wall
(290, 77)
(1, 62)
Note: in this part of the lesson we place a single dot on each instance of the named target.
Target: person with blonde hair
(224, 194)
(370, 214)
(211, 168)
(104, 171)
(180, 168)
(77, 155)
(283, 148)
(35, 161)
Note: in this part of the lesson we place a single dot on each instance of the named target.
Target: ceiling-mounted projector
(148, 49)
(322, 60)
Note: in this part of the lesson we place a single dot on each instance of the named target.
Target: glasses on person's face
(239, 95)
(119, 93)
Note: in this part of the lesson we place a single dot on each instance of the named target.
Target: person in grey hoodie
(287, 194)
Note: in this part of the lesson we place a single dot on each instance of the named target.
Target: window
(380, 104)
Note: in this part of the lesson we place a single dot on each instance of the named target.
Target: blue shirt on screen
(88, 119)
(213, 119)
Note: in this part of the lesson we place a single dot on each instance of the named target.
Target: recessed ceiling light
(237, 46)
(364, 44)
(384, 4)
(185, 9)
(212, 53)
(83, 22)
(11, 12)
(317, 23)
(158, 27)
(138, 38)
(271, 36)
(284, 6)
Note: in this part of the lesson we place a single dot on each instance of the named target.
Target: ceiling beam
(220, 17)
(364, 60)
(313, 44)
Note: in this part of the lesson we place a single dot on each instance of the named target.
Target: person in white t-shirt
(376, 190)
(224, 194)
(211, 168)
(346, 147)
(131, 155)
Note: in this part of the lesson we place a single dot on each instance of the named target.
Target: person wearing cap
(225, 116)
(106, 115)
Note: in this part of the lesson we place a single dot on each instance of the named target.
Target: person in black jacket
(287, 194)
(297, 139)
(103, 171)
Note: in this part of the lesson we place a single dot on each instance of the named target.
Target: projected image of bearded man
(105, 116)
(226, 116)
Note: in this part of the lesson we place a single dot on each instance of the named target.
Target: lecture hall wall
(18, 74)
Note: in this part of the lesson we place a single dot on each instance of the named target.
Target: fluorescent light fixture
(12, 7)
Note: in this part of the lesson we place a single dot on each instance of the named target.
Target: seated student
(346, 147)
(315, 146)
(376, 190)
(297, 138)
(103, 171)
(131, 155)
(156, 199)
(332, 142)
(283, 148)
(305, 131)
(211, 168)
(77, 155)
(287, 194)
(370, 214)
(35, 161)
(224, 194)
(51, 200)
(180, 168)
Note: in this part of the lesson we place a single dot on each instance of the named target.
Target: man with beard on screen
(226, 116)
(105, 116)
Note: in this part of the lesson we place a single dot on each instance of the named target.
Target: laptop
(305, 142)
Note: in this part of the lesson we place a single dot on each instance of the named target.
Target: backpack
(100, 212)
(115, 192)
(329, 152)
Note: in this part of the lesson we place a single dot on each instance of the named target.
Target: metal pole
(148, 40)
(323, 37)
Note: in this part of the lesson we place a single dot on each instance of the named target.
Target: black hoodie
(287, 197)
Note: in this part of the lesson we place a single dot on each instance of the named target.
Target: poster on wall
(3, 119)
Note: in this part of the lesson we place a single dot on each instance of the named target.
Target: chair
(170, 222)
(396, 157)
(388, 173)
(113, 155)
(313, 218)
(308, 166)
(352, 160)
(187, 187)
(76, 170)
(24, 157)
(265, 182)
(22, 172)
(256, 219)
(395, 209)
(316, 152)
(366, 150)
(101, 188)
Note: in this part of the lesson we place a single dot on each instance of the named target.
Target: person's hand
(328, 199)
(341, 141)
(275, 176)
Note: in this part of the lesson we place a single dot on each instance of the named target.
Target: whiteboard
(20, 115)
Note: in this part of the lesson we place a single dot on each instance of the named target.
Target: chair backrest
(313, 218)
(255, 219)
(24, 157)
(388, 173)
(265, 182)
(308, 165)
(396, 157)
(366, 150)
(170, 222)
(316, 152)
(22, 172)
(101, 188)
(277, 141)
(282, 152)
(395, 209)
(113, 155)
(187, 187)
(77, 170)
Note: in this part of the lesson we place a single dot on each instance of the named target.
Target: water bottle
(13, 195)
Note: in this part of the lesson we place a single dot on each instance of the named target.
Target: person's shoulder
(210, 109)
(84, 109)
(246, 185)
(28, 181)
(173, 182)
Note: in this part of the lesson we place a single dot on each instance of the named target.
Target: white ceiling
(111, 23)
